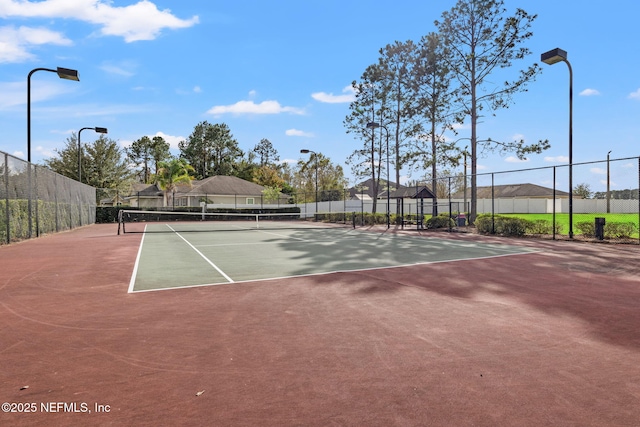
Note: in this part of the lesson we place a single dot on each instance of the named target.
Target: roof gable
(418, 192)
(512, 191)
(225, 185)
(366, 187)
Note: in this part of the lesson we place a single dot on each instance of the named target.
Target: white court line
(356, 270)
(202, 255)
(135, 266)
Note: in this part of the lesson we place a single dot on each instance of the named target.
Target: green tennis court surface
(172, 259)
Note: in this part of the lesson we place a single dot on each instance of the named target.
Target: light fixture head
(553, 56)
(304, 151)
(373, 125)
(68, 74)
(100, 130)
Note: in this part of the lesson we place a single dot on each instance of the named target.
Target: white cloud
(635, 95)
(250, 107)
(172, 140)
(296, 132)
(45, 152)
(557, 159)
(598, 171)
(15, 42)
(330, 98)
(589, 92)
(197, 89)
(139, 21)
(611, 183)
(514, 159)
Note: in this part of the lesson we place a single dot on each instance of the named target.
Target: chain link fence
(604, 204)
(36, 201)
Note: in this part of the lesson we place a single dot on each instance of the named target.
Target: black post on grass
(493, 207)
(553, 223)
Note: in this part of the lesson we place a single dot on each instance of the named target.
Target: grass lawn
(563, 219)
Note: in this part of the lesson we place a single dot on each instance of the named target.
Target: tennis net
(139, 221)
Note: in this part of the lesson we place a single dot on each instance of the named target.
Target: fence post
(55, 198)
(35, 174)
(6, 188)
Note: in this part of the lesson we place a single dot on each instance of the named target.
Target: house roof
(418, 192)
(224, 185)
(150, 190)
(512, 191)
(219, 185)
(366, 188)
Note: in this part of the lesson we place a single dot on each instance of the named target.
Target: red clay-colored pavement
(544, 339)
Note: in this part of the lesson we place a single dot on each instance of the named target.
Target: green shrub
(372, 219)
(107, 214)
(483, 224)
(507, 226)
(440, 221)
(542, 226)
(510, 226)
(619, 230)
(586, 228)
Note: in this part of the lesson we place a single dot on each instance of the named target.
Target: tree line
(420, 91)
(209, 150)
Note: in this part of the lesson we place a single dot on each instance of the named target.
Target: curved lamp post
(373, 125)
(97, 129)
(552, 57)
(315, 155)
(63, 73)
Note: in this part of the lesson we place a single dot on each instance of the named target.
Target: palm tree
(171, 173)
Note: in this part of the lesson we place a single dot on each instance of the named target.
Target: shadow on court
(536, 339)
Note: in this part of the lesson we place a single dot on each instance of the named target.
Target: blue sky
(282, 69)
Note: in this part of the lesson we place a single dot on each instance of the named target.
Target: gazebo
(419, 192)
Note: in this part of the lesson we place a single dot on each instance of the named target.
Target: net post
(119, 220)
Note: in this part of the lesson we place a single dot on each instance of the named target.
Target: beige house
(529, 191)
(215, 191)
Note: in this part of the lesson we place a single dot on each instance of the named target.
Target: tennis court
(183, 254)
(415, 328)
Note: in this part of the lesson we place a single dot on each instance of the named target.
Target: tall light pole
(315, 155)
(552, 57)
(63, 73)
(97, 129)
(608, 184)
(374, 125)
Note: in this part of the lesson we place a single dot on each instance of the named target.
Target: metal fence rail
(35, 201)
(535, 194)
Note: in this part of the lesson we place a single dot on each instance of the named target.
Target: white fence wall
(498, 206)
